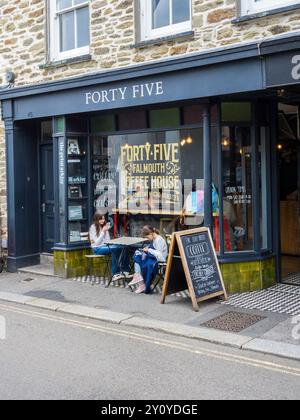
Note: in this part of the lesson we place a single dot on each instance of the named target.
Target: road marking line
(256, 363)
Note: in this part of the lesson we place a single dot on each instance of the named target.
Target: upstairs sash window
(161, 18)
(249, 7)
(69, 28)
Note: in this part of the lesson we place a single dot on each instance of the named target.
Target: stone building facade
(115, 42)
(115, 36)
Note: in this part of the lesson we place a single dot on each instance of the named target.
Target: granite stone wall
(115, 43)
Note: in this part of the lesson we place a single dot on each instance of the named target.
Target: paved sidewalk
(274, 333)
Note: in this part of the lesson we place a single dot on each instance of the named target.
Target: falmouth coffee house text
(126, 92)
(152, 166)
(151, 176)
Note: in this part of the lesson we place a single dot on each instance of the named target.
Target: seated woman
(146, 261)
(99, 236)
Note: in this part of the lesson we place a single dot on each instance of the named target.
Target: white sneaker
(117, 277)
(141, 289)
(137, 278)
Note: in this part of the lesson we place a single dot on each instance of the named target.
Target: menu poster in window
(75, 236)
(193, 265)
(75, 213)
(73, 147)
(105, 182)
(151, 176)
(238, 195)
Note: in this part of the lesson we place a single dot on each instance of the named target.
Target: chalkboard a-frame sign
(193, 265)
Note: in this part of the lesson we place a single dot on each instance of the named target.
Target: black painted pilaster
(22, 193)
(208, 216)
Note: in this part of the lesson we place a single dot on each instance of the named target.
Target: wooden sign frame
(176, 239)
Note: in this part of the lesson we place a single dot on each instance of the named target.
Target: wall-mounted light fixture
(10, 79)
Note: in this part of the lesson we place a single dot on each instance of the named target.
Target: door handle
(44, 207)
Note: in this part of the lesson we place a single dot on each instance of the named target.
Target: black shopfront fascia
(225, 74)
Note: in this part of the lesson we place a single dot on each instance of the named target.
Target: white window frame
(147, 33)
(249, 7)
(55, 53)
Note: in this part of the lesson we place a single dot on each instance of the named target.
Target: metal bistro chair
(162, 266)
(91, 258)
(160, 275)
(106, 262)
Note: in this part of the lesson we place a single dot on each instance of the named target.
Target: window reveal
(69, 28)
(257, 6)
(154, 175)
(164, 17)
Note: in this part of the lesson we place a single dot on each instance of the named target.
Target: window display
(77, 188)
(237, 188)
(149, 178)
(156, 177)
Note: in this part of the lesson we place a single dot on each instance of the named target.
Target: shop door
(47, 199)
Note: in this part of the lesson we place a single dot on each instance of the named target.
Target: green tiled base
(70, 264)
(238, 277)
(249, 276)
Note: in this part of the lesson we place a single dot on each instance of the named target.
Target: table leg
(119, 262)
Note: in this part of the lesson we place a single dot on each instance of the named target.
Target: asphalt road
(51, 356)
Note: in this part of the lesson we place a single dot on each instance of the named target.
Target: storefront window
(156, 176)
(237, 188)
(59, 125)
(193, 114)
(163, 118)
(46, 131)
(77, 188)
(236, 112)
(104, 176)
(102, 124)
(132, 120)
(150, 178)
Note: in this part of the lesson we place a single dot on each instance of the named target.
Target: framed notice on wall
(193, 265)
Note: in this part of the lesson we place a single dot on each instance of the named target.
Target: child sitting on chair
(146, 260)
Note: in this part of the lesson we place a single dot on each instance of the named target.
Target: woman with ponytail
(146, 261)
